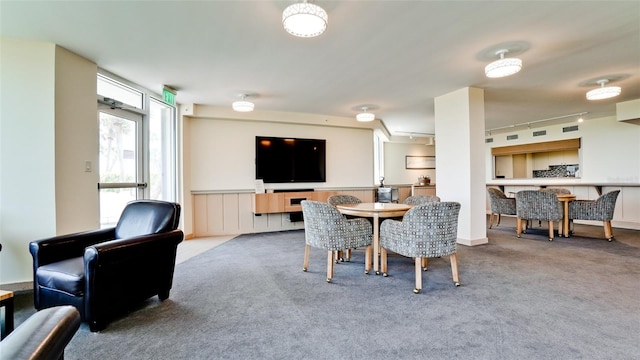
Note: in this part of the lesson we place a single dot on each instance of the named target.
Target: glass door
(121, 175)
(138, 151)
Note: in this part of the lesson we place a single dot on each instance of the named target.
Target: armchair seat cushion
(66, 275)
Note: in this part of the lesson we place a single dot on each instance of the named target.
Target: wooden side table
(6, 301)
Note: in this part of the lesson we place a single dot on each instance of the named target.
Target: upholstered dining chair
(325, 228)
(340, 199)
(500, 204)
(537, 205)
(600, 209)
(420, 199)
(426, 231)
(556, 191)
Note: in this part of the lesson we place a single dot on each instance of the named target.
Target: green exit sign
(169, 96)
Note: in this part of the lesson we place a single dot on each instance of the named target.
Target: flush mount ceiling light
(503, 67)
(603, 92)
(242, 105)
(304, 19)
(365, 116)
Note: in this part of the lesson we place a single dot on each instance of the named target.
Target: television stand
(292, 190)
(287, 201)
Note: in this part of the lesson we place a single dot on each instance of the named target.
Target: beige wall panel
(215, 214)
(245, 214)
(260, 223)
(201, 217)
(629, 206)
(231, 213)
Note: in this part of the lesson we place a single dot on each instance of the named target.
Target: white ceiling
(394, 56)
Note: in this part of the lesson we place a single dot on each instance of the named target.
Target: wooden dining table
(565, 199)
(376, 211)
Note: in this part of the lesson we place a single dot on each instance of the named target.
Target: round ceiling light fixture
(503, 67)
(243, 105)
(304, 19)
(603, 92)
(365, 116)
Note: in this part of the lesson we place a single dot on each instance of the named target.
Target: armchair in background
(104, 273)
(537, 205)
(556, 191)
(325, 228)
(600, 209)
(420, 199)
(500, 204)
(341, 199)
(426, 231)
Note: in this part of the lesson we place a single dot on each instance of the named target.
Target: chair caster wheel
(457, 284)
(384, 274)
(304, 269)
(550, 239)
(518, 236)
(377, 272)
(424, 269)
(328, 280)
(416, 291)
(610, 239)
(366, 272)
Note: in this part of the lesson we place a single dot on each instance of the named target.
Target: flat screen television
(290, 160)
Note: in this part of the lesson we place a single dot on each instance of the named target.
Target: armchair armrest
(124, 271)
(131, 249)
(44, 335)
(64, 247)
(390, 228)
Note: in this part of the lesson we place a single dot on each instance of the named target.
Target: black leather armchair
(104, 273)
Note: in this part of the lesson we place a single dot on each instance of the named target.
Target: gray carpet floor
(526, 298)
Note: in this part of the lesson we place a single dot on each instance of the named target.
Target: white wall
(27, 185)
(609, 153)
(76, 141)
(394, 162)
(37, 198)
(223, 154)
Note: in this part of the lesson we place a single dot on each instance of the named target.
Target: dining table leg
(376, 244)
(565, 220)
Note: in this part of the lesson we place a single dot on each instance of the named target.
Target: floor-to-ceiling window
(137, 147)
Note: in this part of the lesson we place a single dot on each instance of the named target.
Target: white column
(460, 162)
